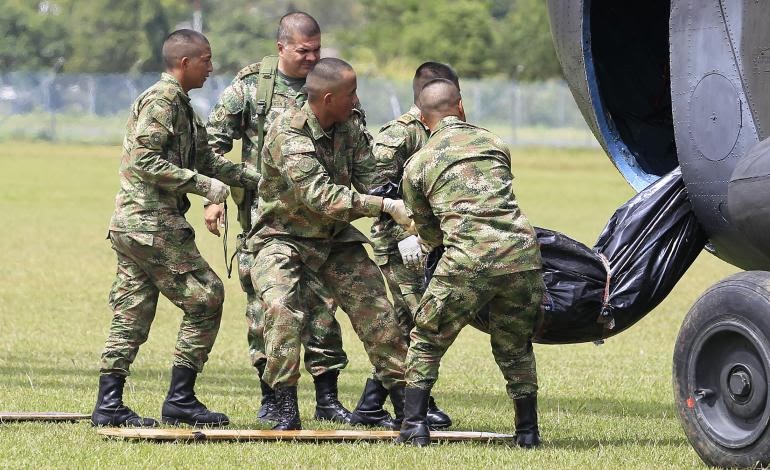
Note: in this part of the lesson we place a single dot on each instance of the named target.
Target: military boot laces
(182, 406)
(414, 428)
(437, 418)
(328, 406)
(369, 410)
(268, 410)
(110, 410)
(288, 409)
(527, 432)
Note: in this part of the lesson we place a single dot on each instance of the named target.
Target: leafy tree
(34, 35)
(526, 51)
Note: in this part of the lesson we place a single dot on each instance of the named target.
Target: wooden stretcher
(6, 417)
(309, 435)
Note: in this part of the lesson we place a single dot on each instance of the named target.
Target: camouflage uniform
(165, 141)
(459, 189)
(303, 237)
(235, 117)
(395, 143)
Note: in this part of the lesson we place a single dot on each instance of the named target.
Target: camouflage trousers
(451, 302)
(321, 337)
(167, 262)
(285, 285)
(406, 285)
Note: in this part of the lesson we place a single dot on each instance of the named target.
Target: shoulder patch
(407, 118)
(248, 70)
(298, 120)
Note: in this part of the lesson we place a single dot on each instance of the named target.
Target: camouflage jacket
(305, 196)
(165, 142)
(235, 114)
(459, 188)
(394, 144)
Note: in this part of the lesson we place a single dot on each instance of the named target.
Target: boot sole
(195, 424)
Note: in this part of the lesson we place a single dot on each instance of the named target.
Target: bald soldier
(165, 157)
(245, 110)
(397, 252)
(459, 188)
(313, 157)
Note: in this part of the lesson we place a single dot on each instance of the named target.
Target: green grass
(600, 407)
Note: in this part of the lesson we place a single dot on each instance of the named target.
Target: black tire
(721, 372)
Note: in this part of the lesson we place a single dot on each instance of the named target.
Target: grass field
(600, 407)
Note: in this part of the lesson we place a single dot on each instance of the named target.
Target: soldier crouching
(459, 189)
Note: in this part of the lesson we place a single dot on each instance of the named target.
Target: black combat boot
(181, 405)
(327, 404)
(369, 411)
(397, 399)
(288, 409)
(527, 433)
(414, 428)
(268, 410)
(110, 410)
(437, 418)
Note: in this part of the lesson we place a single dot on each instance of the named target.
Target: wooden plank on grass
(41, 416)
(302, 435)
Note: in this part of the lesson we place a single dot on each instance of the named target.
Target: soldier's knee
(208, 297)
(216, 294)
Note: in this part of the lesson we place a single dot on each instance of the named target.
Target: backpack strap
(267, 70)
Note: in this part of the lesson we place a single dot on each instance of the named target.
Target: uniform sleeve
(427, 224)
(226, 121)
(365, 176)
(217, 166)
(153, 136)
(313, 186)
(389, 152)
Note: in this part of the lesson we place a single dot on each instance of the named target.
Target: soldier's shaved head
(430, 71)
(183, 43)
(327, 76)
(297, 23)
(439, 98)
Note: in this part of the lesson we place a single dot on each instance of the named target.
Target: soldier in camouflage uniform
(459, 190)
(303, 236)
(396, 142)
(165, 143)
(258, 94)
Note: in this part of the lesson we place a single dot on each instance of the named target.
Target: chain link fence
(92, 108)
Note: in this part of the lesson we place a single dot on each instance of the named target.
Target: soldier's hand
(397, 210)
(214, 216)
(218, 191)
(411, 254)
(426, 248)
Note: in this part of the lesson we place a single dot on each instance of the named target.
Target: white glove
(218, 191)
(411, 253)
(397, 210)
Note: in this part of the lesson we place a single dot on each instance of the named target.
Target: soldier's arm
(389, 151)
(426, 223)
(217, 166)
(391, 148)
(154, 134)
(313, 186)
(365, 176)
(226, 120)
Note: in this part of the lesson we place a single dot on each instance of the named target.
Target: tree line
(480, 38)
